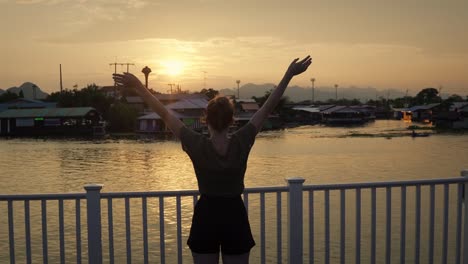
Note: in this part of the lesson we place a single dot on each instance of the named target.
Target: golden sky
(364, 43)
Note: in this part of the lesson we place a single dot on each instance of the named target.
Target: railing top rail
(266, 189)
(185, 192)
(174, 193)
(149, 194)
(320, 187)
(45, 196)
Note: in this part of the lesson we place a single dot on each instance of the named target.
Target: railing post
(295, 239)
(93, 208)
(464, 173)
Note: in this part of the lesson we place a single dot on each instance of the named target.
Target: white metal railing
(462, 187)
(21, 245)
(42, 198)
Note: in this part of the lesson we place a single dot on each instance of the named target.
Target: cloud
(89, 11)
(107, 9)
(86, 21)
(137, 3)
(120, 3)
(47, 2)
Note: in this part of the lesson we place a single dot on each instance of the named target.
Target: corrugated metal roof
(246, 100)
(46, 112)
(422, 107)
(363, 109)
(458, 105)
(414, 108)
(250, 106)
(340, 109)
(189, 104)
(429, 106)
(243, 116)
(325, 107)
(154, 115)
(23, 103)
(307, 109)
(25, 100)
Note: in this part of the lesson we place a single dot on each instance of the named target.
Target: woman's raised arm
(294, 69)
(130, 80)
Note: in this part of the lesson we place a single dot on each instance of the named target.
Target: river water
(378, 151)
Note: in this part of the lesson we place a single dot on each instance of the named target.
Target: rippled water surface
(380, 151)
(318, 154)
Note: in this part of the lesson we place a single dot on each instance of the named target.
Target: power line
(171, 85)
(115, 71)
(128, 64)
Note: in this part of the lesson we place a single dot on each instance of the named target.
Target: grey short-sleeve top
(219, 175)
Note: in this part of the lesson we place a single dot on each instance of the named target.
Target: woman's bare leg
(205, 258)
(236, 259)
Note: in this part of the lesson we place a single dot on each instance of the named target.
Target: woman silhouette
(220, 221)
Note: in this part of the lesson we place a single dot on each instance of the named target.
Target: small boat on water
(414, 134)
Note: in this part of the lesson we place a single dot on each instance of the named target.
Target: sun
(173, 67)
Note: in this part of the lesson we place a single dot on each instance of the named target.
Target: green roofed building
(76, 121)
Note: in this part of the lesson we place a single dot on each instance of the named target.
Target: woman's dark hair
(219, 113)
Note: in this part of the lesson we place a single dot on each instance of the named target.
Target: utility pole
(115, 71)
(61, 86)
(388, 98)
(238, 95)
(204, 79)
(171, 85)
(406, 98)
(128, 64)
(121, 64)
(336, 92)
(440, 92)
(313, 90)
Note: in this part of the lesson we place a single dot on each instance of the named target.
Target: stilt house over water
(76, 121)
(189, 108)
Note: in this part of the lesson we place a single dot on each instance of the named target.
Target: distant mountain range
(28, 91)
(297, 94)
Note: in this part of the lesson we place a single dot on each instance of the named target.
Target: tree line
(423, 97)
(121, 117)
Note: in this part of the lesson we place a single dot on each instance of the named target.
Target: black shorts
(220, 223)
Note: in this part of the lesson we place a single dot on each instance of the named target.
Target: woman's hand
(294, 69)
(131, 81)
(298, 67)
(127, 80)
